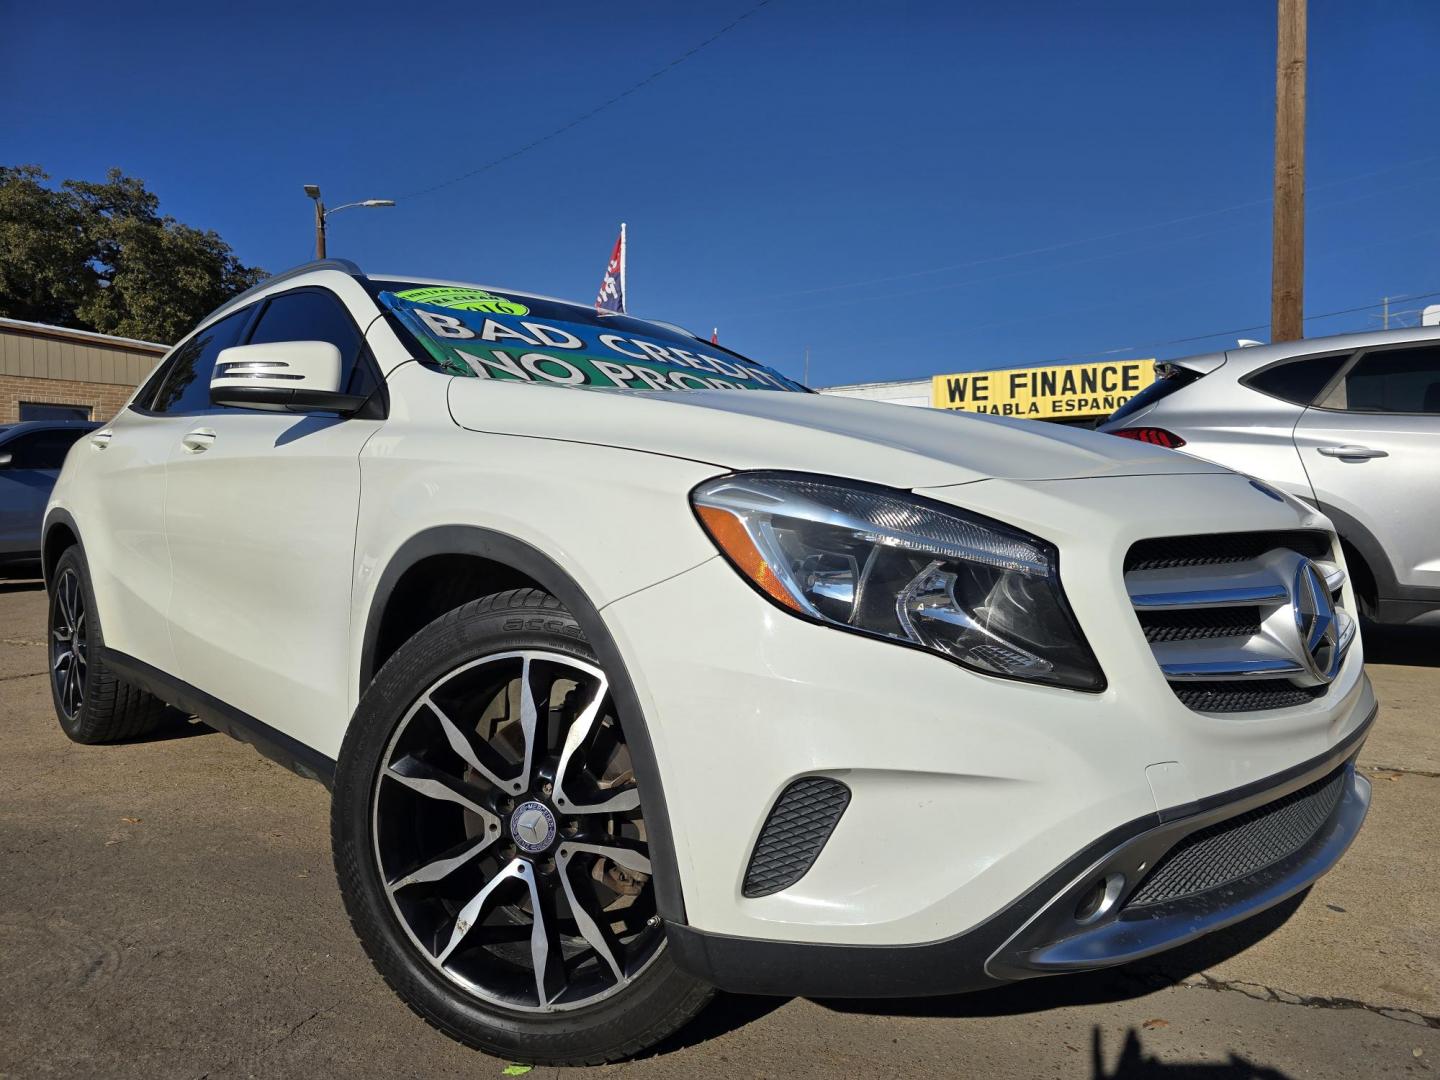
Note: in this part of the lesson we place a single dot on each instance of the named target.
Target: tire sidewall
(74, 559)
(588, 1031)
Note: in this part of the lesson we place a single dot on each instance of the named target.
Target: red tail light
(1156, 436)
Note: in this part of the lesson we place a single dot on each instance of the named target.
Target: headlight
(888, 564)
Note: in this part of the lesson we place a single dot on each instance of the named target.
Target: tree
(100, 256)
(44, 253)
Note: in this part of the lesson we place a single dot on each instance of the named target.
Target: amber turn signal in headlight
(887, 564)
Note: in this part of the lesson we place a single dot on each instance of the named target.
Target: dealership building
(50, 373)
(1060, 393)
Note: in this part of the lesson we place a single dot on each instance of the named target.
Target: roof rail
(344, 266)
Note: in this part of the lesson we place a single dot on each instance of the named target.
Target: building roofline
(923, 381)
(89, 337)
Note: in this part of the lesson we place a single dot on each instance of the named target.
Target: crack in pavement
(318, 1012)
(22, 675)
(231, 1060)
(1399, 769)
(1285, 997)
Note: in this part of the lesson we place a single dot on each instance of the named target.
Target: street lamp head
(378, 202)
(313, 190)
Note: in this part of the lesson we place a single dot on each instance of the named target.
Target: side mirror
(284, 376)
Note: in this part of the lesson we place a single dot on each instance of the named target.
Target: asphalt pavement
(168, 909)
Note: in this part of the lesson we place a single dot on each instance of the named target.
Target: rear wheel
(491, 845)
(92, 703)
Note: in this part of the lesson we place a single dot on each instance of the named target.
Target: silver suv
(1350, 424)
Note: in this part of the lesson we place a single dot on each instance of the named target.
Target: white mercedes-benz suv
(636, 670)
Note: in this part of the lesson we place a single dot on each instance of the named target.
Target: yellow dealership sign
(1053, 392)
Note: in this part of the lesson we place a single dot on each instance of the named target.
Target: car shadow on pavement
(1101, 987)
(1135, 1064)
(175, 725)
(1415, 646)
(724, 1014)
(729, 1012)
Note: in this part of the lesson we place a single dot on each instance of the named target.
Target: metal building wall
(48, 365)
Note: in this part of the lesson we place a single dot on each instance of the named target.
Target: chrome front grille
(1244, 695)
(1240, 622)
(1189, 625)
(1206, 549)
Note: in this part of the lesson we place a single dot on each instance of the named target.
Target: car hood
(896, 445)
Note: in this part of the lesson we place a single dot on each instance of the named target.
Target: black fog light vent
(799, 824)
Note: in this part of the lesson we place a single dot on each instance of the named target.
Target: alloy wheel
(510, 836)
(69, 660)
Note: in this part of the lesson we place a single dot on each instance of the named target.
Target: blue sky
(908, 189)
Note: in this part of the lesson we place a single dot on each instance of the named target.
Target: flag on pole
(612, 287)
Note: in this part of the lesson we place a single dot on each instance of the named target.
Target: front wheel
(92, 703)
(491, 846)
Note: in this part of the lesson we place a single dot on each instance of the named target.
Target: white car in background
(1349, 424)
(638, 670)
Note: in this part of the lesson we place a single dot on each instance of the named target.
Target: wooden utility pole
(1287, 267)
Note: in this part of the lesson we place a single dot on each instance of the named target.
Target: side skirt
(275, 745)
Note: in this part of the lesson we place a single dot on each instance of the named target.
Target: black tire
(638, 1013)
(108, 708)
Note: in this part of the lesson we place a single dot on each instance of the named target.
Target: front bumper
(1040, 933)
(964, 791)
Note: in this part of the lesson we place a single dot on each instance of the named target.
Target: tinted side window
(42, 450)
(185, 379)
(1169, 378)
(1297, 381)
(316, 316)
(32, 410)
(1395, 380)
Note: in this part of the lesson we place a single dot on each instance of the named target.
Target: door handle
(1351, 452)
(101, 439)
(198, 441)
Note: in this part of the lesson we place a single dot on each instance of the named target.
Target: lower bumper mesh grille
(1230, 850)
(799, 824)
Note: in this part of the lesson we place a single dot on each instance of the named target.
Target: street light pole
(313, 190)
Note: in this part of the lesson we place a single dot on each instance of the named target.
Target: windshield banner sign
(471, 332)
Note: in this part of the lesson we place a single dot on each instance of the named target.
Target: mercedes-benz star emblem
(1316, 621)
(533, 826)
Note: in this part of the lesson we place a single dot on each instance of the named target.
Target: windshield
(478, 333)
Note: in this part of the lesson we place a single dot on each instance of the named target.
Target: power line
(1084, 259)
(1137, 346)
(1410, 236)
(1052, 316)
(1239, 329)
(1107, 236)
(591, 113)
